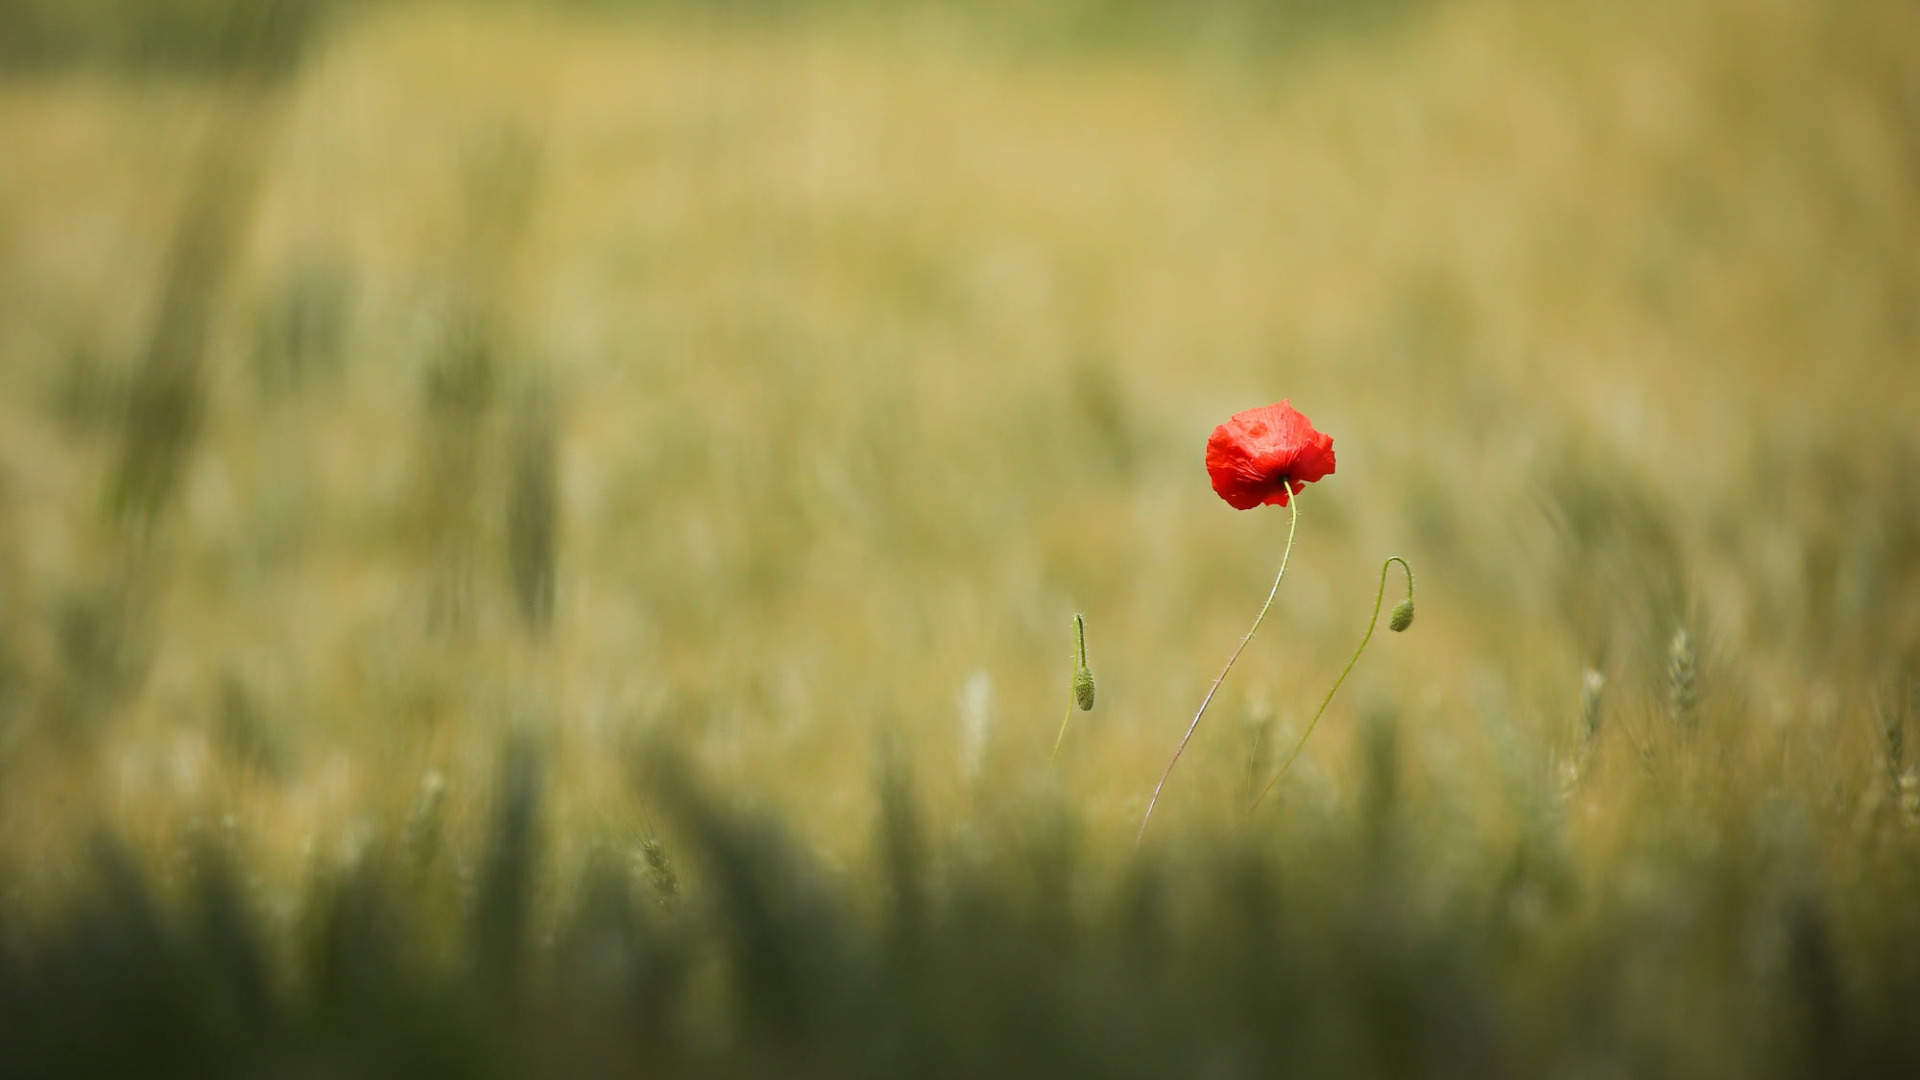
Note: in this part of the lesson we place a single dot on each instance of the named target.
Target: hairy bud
(1402, 616)
(1083, 689)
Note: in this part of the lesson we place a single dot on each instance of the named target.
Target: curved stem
(1293, 525)
(1378, 595)
(1065, 718)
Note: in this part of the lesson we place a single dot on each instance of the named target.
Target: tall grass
(400, 426)
(1368, 944)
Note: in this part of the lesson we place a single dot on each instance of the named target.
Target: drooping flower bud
(1402, 616)
(1083, 689)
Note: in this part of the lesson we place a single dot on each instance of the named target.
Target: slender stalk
(1378, 595)
(1293, 525)
(1065, 719)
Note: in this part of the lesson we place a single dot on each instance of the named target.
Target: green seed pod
(1402, 616)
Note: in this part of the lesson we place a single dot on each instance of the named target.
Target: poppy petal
(1264, 456)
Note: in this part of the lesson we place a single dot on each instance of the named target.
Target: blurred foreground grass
(775, 385)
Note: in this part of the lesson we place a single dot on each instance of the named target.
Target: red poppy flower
(1261, 456)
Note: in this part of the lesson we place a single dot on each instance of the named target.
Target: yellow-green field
(776, 388)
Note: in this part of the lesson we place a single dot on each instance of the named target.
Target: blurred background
(381, 379)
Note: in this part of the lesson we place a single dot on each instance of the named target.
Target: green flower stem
(1293, 525)
(1379, 594)
(1065, 719)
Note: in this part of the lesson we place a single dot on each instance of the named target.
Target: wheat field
(492, 465)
